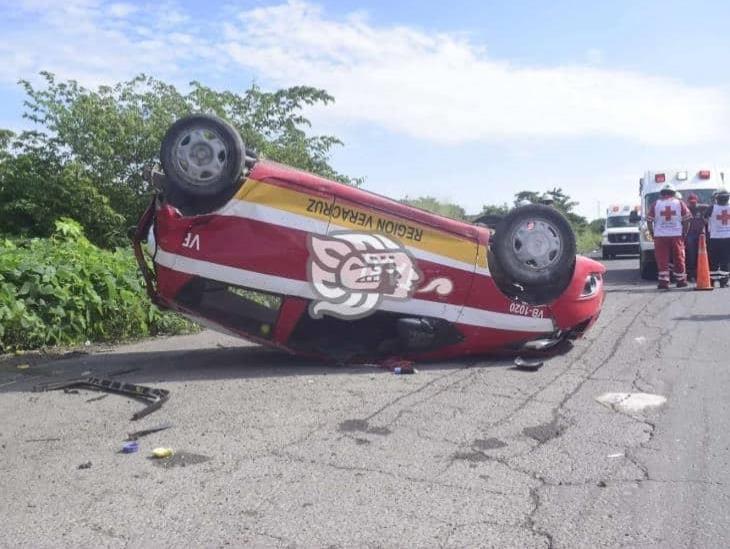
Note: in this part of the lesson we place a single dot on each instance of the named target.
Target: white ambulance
(621, 231)
(702, 182)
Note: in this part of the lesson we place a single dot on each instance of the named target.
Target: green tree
(6, 137)
(112, 132)
(587, 235)
(493, 209)
(431, 204)
(561, 200)
(597, 225)
(565, 204)
(37, 187)
(531, 196)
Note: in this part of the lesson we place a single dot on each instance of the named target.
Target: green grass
(64, 290)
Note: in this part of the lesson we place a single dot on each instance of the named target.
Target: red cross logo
(668, 213)
(724, 217)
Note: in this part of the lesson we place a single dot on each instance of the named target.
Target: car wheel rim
(201, 155)
(537, 244)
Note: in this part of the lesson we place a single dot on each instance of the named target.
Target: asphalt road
(275, 451)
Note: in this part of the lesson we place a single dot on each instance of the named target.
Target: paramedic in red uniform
(668, 221)
(692, 241)
(718, 223)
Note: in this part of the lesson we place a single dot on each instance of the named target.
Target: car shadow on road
(207, 364)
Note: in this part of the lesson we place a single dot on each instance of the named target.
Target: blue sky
(468, 101)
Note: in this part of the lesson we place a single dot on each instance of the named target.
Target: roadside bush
(587, 240)
(36, 189)
(64, 290)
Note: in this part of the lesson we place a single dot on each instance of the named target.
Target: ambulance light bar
(681, 176)
(659, 178)
(704, 174)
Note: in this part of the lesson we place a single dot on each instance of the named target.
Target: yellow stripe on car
(346, 215)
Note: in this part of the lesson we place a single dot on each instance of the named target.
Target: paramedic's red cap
(693, 198)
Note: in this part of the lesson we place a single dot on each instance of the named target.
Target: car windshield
(616, 221)
(704, 196)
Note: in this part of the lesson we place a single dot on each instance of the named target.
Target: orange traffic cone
(703, 266)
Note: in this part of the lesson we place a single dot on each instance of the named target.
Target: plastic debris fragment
(130, 447)
(162, 453)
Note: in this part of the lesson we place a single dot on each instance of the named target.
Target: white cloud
(437, 87)
(122, 9)
(443, 88)
(97, 42)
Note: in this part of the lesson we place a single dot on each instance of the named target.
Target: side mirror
(634, 217)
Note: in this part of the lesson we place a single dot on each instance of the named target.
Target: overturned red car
(285, 258)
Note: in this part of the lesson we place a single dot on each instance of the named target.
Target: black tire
(604, 254)
(534, 295)
(224, 167)
(555, 240)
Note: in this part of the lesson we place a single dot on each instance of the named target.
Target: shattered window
(239, 308)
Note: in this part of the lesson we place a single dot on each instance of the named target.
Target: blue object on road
(130, 447)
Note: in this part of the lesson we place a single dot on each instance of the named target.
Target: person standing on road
(692, 241)
(718, 223)
(668, 220)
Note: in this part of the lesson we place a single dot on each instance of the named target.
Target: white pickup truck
(621, 233)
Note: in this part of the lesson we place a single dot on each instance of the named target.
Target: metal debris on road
(527, 364)
(155, 397)
(23, 366)
(144, 432)
(85, 465)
